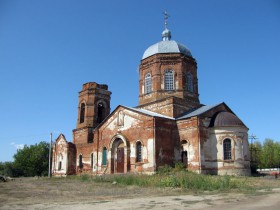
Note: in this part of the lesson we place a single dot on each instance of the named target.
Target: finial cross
(166, 16)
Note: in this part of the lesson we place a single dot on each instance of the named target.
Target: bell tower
(93, 108)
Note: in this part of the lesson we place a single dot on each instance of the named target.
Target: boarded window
(104, 156)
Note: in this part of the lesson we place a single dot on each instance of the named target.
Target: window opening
(82, 113)
(169, 80)
(148, 84)
(227, 149)
(184, 153)
(190, 83)
(59, 165)
(80, 161)
(184, 157)
(100, 113)
(90, 137)
(138, 152)
(104, 156)
(91, 160)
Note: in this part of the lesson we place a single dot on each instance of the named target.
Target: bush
(164, 169)
(85, 177)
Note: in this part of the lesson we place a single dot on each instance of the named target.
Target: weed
(85, 177)
(170, 178)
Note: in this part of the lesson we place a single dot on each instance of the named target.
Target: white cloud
(17, 146)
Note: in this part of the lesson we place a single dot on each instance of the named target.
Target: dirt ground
(32, 193)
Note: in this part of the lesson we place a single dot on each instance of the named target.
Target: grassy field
(186, 181)
(34, 193)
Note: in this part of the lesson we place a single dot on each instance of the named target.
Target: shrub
(85, 177)
(164, 169)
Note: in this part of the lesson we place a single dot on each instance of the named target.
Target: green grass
(174, 178)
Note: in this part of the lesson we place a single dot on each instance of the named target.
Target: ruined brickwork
(64, 157)
(169, 125)
(122, 130)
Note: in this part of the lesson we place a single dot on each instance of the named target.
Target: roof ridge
(197, 111)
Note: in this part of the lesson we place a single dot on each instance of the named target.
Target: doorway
(118, 157)
(120, 160)
(184, 153)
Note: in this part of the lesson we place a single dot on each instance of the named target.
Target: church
(168, 126)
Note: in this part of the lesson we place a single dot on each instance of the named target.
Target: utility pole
(254, 160)
(50, 153)
(252, 138)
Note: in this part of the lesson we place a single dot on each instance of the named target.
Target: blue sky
(49, 48)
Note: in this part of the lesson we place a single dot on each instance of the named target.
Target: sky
(49, 48)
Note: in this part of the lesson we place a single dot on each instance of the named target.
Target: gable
(134, 113)
(61, 140)
(123, 118)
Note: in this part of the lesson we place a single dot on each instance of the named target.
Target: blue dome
(167, 46)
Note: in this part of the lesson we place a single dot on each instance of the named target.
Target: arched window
(148, 84)
(90, 137)
(190, 87)
(82, 113)
(104, 156)
(169, 80)
(138, 151)
(59, 165)
(184, 153)
(80, 161)
(100, 112)
(227, 149)
(91, 160)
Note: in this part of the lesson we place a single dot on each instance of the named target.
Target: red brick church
(169, 124)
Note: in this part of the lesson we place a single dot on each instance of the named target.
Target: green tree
(270, 154)
(255, 151)
(8, 169)
(33, 159)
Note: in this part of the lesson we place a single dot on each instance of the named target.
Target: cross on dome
(166, 34)
(166, 16)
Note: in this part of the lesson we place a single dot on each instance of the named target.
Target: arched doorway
(118, 156)
(184, 158)
(184, 153)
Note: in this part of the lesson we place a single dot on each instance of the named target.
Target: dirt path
(229, 202)
(65, 195)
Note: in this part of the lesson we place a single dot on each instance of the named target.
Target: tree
(255, 151)
(270, 154)
(33, 159)
(8, 169)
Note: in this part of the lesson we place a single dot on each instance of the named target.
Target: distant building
(169, 124)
